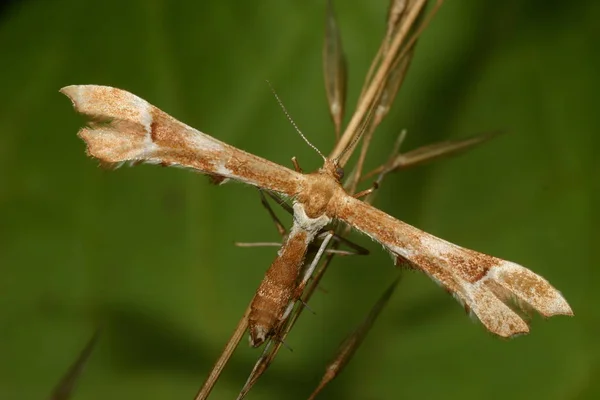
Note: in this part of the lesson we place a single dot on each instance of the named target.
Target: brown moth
(126, 128)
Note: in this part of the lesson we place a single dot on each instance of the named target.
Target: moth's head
(333, 168)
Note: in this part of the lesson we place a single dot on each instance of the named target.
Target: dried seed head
(335, 69)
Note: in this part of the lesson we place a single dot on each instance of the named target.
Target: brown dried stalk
(352, 343)
(66, 386)
(432, 152)
(224, 357)
(370, 97)
(334, 69)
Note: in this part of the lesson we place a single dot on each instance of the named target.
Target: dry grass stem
(66, 386)
(224, 357)
(348, 348)
(377, 84)
(335, 69)
(432, 152)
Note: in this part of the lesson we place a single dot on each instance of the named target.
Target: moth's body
(131, 129)
(281, 286)
(278, 288)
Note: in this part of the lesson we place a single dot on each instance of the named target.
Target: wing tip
(530, 288)
(71, 92)
(558, 306)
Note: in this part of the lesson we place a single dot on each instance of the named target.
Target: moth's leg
(364, 193)
(278, 225)
(280, 202)
(307, 274)
(357, 249)
(310, 269)
(296, 165)
(257, 244)
(288, 310)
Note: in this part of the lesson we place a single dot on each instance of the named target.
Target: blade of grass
(66, 386)
(385, 100)
(396, 11)
(395, 53)
(428, 153)
(348, 348)
(230, 347)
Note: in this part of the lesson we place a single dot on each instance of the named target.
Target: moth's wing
(123, 127)
(486, 285)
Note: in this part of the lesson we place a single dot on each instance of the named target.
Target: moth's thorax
(321, 187)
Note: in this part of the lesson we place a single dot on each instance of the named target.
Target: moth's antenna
(292, 121)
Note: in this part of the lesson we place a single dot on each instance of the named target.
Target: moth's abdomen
(277, 289)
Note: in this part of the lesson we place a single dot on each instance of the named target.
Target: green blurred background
(148, 252)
